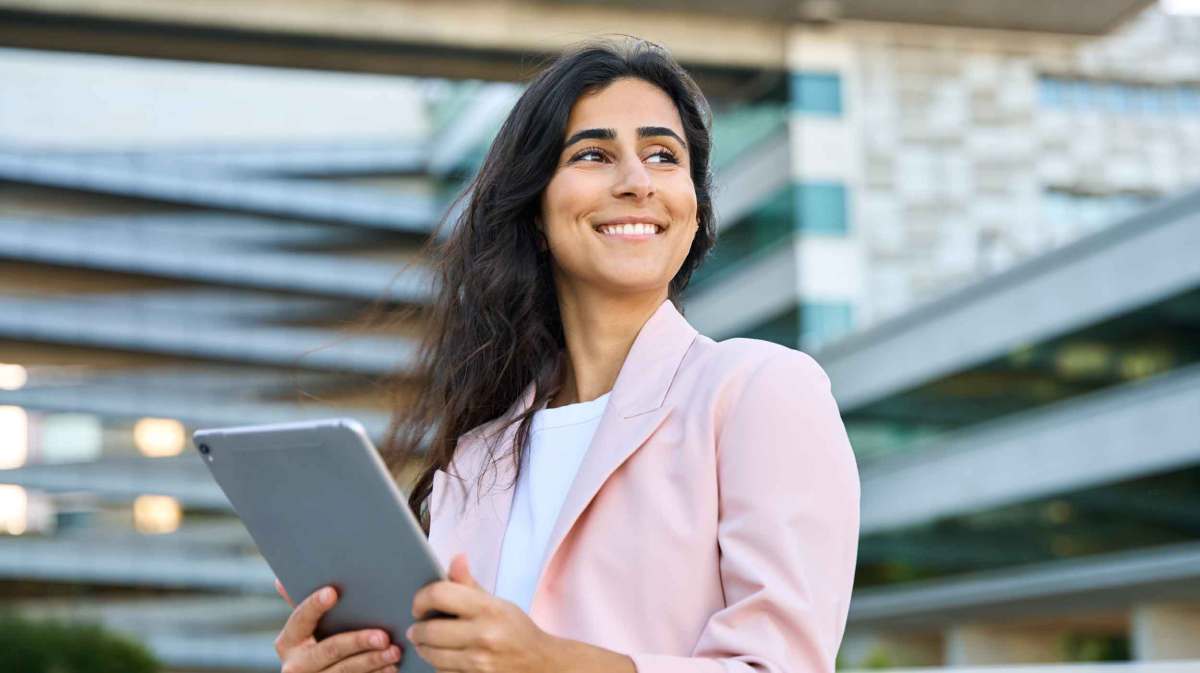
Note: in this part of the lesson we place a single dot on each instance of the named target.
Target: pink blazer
(713, 524)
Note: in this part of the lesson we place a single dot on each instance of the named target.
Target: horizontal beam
(1077, 17)
(32, 559)
(77, 322)
(477, 39)
(122, 479)
(235, 651)
(126, 246)
(170, 613)
(221, 535)
(742, 296)
(203, 408)
(195, 186)
(1076, 444)
(1105, 667)
(1070, 288)
(384, 155)
(1085, 585)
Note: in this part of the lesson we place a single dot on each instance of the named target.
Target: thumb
(459, 572)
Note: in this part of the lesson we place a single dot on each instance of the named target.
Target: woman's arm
(788, 529)
(573, 656)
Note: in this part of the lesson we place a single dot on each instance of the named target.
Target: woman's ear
(543, 243)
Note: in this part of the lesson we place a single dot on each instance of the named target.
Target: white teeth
(629, 229)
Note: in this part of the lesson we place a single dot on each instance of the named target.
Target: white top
(558, 440)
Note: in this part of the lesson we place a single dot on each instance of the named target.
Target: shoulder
(733, 363)
(761, 382)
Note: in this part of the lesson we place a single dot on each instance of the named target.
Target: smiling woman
(619, 214)
(662, 503)
(610, 136)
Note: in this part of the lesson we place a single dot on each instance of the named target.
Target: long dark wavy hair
(494, 325)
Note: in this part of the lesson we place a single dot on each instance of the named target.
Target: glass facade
(809, 208)
(821, 208)
(824, 322)
(739, 130)
(817, 93)
(1118, 97)
(1154, 510)
(1084, 213)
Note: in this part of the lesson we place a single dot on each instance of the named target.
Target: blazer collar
(634, 410)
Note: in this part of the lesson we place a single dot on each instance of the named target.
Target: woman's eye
(667, 155)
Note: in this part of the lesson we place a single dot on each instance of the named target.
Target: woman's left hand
(490, 635)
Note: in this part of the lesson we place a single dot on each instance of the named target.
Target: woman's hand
(490, 635)
(365, 651)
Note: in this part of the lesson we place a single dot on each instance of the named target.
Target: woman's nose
(633, 180)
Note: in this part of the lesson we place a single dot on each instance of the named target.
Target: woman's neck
(599, 332)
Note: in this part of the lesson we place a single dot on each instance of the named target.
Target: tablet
(323, 510)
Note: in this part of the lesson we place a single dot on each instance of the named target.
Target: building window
(1188, 99)
(823, 322)
(1122, 98)
(821, 208)
(1073, 214)
(817, 93)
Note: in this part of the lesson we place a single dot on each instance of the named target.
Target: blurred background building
(981, 217)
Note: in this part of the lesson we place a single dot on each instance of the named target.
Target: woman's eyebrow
(611, 134)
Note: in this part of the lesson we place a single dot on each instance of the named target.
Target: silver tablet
(323, 509)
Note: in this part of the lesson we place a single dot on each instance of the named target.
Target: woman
(654, 501)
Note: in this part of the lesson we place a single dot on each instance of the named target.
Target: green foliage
(1080, 647)
(55, 647)
(878, 659)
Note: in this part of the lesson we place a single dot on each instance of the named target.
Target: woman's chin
(635, 283)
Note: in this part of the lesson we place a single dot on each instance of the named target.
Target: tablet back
(323, 510)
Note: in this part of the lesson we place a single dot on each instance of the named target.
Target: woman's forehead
(624, 106)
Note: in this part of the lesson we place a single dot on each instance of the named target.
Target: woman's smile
(630, 232)
(630, 229)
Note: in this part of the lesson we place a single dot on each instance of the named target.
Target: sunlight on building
(12, 377)
(14, 437)
(159, 437)
(14, 509)
(1181, 6)
(156, 514)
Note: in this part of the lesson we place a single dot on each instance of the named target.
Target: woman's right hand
(365, 651)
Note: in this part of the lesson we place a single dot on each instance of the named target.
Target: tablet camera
(205, 451)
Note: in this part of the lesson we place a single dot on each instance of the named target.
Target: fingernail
(408, 633)
(393, 653)
(327, 596)
(377, 640)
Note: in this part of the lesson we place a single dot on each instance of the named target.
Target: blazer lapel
(634, 411)
(486, 507)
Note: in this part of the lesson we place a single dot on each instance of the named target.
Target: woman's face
(624, 161)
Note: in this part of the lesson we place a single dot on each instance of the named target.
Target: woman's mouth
(634, 232)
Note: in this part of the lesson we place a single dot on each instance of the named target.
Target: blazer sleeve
(788, 529)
